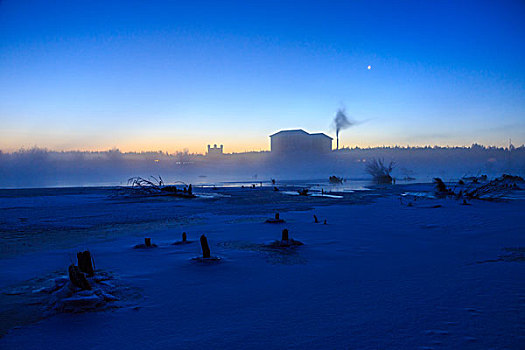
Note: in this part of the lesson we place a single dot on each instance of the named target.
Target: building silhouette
(300, 142)
(215, 151)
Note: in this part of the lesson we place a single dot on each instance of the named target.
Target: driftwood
(85, 263)
(492, 190)
(475, 179)
(155, 187)
(441, 188)
(152, 185)
(335, 180)
(78, 278)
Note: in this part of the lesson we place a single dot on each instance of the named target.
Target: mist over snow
(45, 168)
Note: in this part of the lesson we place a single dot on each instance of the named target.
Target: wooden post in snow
(78, 278)
(205, 248)
(85, 264)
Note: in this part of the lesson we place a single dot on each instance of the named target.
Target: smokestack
(341, 122)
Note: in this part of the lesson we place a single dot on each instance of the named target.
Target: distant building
(300, 142)
(215, 151)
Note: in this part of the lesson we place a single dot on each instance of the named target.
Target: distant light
(156, 160)
(369, 67)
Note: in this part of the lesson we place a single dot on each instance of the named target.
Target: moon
(369, 67)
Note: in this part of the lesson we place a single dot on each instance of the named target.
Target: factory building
(300, 142)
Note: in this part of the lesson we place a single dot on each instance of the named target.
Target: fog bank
(44, 168)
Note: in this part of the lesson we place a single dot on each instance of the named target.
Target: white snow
(380, 274)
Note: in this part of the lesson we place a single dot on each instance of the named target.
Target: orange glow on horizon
(152, 142)
(192, 147)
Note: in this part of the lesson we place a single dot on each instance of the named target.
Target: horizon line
(185, 150)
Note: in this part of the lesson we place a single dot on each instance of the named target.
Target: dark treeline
(38, 167)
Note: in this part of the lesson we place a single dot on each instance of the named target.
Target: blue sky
(148, 75)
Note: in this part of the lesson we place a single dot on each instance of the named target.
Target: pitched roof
(321, 134)
(293, 131)
(299, 131)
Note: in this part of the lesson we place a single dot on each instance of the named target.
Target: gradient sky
(159, 75)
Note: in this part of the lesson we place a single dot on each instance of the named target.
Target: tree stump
(184, 240)
(78, 278)
(85, 263)
(146, 245)
(276, 220)
(205, 248)
(285, 242)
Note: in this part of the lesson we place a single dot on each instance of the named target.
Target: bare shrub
(379, 171)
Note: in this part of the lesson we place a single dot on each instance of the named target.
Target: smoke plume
(341, 121)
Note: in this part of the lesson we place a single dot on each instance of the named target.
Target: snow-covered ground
(379, 274)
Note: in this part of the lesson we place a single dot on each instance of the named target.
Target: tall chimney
(337, 141)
